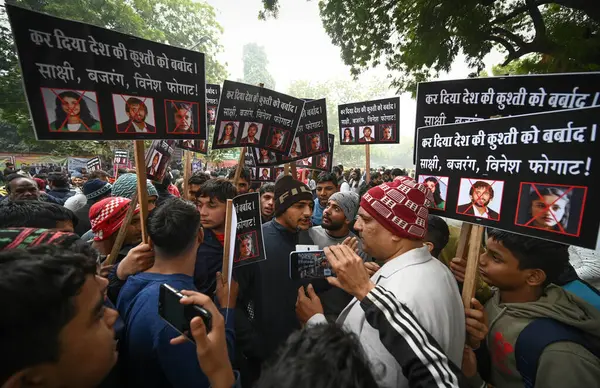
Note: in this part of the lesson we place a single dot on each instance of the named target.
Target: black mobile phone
(309, 265)
(179, 315)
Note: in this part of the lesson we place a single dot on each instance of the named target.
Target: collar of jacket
(282, 229)
(210, 239)
(413, 257)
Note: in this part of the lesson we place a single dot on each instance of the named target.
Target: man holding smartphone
(149, 358)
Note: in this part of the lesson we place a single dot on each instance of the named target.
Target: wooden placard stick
(368, 162)
(227, 243)
(286, 169)
(293, 170)
(187, 172)
(463, 240)
(470, 283)
(114, 253)
(142, 187)
(240, 166)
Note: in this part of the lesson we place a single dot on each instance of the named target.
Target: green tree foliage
(342, 92)
(181, 23)
(418, 39)
(255, 66)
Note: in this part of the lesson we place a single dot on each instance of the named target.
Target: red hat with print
(107, 216)
(400, 206)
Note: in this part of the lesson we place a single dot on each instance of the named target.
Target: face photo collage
(380, 133)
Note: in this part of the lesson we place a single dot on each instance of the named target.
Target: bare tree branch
(509, 47)
(538, 20)
(510, 35)
(518, 10)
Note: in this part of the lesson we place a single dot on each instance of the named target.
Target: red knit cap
(400, 206)
(107, 216)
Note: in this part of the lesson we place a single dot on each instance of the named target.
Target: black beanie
(288, 191)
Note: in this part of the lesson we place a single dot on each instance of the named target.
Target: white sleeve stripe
(435, 361)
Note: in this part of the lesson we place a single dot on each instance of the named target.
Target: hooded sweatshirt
(562, 364)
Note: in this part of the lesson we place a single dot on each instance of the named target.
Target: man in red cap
(392, 223)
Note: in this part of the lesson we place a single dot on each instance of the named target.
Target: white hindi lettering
(229, 112)
(510, 166)
(461, 140)
(463, 119)
(449, 98)
(487, 97)
(373, 119)
(496, 139)
(263, 115)
(470, 97)
(139, 58)
(246, 113)
(283, 121)
(560, 167)
(345, 121)
(426, 142)
(431, 99)
(462, 164)
(568, 100)
(99, 48)
(182, 65)
(147, 83)
(265, 100)
(564, 135)
(430, 164)
(39, 38)
(434, 120)
(106, 77)
(175, 87)
(479, 139)
(439, 141)
(69, 43)
(120, 51)
(530, 136)
(64, 72)
(537, 98)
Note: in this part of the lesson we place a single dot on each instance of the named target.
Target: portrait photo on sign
(154, 165)
(366, 134)
(265, 174)
(134, 114)
(211, 114)
(438, 185)
(71, 110)
(387, 132)
(264, 156)
(228, 133)
(278, 171)
(480, 198)
(347, 135)
(278, 138)
(314, 142)
(251, 133)
(252, 174)
(182, 117)
(307, 162)
(323, 161)
(248, 246)
(550, 207)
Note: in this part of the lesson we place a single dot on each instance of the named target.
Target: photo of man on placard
(482, 196)
(366, 134)
(251, 134)
(211, 114)
(134, 114)
(386, 132)
(71, 110)
(265, 174)
(181, 117)
(154, 165)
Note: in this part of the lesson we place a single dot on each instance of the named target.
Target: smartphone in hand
(179, 315)
(309, 265)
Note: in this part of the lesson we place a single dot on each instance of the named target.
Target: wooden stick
(114, 253)
(142, 187)
(240, 166)
(463, 240)
(470, 282)
(227, 242)
(368, 162)
(286, 169)
(293, 170)
(187, 172)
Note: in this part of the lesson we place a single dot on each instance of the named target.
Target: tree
(182, 23)
(255, 66)
(421, 38)
(342, 92)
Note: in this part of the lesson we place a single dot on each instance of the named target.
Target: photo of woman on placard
(265, 156)
(73, 114)
(433, 184)
(348, 136)
(228, 134)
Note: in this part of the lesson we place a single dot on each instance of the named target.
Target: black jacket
(62, 193)
(83, 215)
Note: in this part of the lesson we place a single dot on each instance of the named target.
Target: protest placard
(253, 116)
(321, 162)
(88, 83)
(213, 95)
(121, 157)
(370, 122)
(195, 145)
(196, 166)
(249, 244)
(475, 99)
(94, 164)
(157, 159)
(529, 174)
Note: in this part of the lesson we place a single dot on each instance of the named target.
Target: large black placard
(475, 99)
(249, 245)
(89, 83)
(94, 164)
(256, 117)
(530, 174)
(213, 95)
(370, 122)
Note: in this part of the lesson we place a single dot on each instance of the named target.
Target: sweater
(148, 359)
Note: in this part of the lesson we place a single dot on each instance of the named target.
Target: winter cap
(400, 206)
(107, 216)
(76, 174)
(288, 191)
(126, 185)
(96, 188)
(348, 202)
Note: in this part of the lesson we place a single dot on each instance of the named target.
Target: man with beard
(326, 186)
(366, 136)
(137, 111)
(251, 137)
(267, 201)
(481, 194)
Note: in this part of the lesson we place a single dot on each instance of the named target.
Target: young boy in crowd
(327, 184)
(267, 201)
(564, 328)
(243, 183)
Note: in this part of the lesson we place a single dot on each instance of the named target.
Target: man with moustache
(137, 111)
(251, 137)
(267, 201)
(366, 136)
(481, 194)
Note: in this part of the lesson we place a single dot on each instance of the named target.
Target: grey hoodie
(562, 364)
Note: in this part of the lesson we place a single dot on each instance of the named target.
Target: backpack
(584, 291)
(540, 333)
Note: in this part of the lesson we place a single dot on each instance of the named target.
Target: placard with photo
(158, 157)
(370, 122)
(249, 243)
(213, 95)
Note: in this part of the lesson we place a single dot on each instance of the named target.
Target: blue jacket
(317, 217)
(61, 193)
(209, 261)
(147, 357)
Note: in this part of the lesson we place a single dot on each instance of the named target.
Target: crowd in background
(73, 316)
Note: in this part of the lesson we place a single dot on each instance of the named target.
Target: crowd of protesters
(73, 316)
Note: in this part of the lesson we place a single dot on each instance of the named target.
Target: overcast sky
(298, 48)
